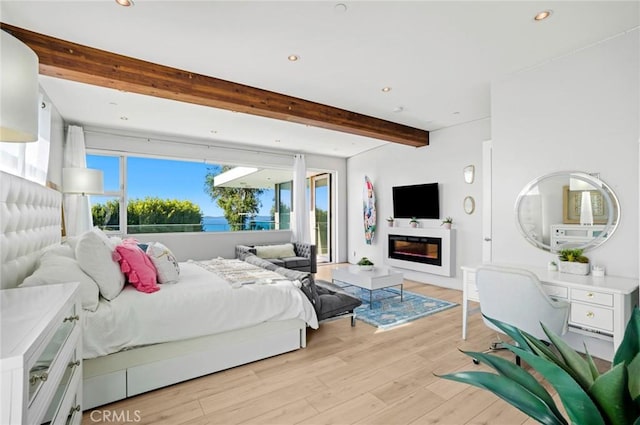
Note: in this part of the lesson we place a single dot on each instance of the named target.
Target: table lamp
(83, 182)
(18, 91)
(586, 209)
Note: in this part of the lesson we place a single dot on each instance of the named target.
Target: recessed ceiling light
(125, 3)
(542, 15)
(293, 58)
(386, 89)
(340, 7)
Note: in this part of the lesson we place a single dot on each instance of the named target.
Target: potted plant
(365, 264)
(446, 223)
(572, 261)
(588, 396)
(413, 222)
(390, 221)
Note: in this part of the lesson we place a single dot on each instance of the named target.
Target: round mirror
(567, 210)
(469, 204)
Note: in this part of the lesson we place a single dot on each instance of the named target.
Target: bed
(157, 356)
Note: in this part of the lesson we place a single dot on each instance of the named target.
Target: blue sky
(166, 179)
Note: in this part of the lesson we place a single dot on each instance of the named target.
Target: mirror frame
(468, 173)
(469, 204)
(613, 205)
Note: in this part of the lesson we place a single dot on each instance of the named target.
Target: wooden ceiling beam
(71, 61)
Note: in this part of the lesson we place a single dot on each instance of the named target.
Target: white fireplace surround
(448, 238)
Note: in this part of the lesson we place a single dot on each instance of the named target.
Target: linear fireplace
(419, 249)
(426, 249)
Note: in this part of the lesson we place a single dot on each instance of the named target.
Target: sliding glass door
(321, 216)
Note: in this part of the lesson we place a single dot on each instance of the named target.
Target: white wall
(449, 151)
(579, 112)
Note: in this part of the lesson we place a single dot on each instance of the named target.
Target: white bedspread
(201, 303)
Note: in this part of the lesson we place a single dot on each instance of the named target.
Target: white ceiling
(439, 58)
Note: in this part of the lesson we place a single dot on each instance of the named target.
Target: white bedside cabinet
(41, 363)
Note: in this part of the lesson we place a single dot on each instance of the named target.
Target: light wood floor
(345, 375)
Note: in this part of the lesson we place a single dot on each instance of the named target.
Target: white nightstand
(41, 347)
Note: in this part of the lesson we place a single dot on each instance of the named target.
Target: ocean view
(220, 224)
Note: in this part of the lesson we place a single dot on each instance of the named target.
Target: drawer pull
(35, 378)
(590, 295)
(590, 315)
(71, 318)
(74, 364)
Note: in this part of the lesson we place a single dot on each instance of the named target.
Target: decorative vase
(573, 267)
(366, 268)
(447, 226)
(390, 223)
(413, 224)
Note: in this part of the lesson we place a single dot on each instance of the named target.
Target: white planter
(573, 267)
(413, 224)
(390, 223)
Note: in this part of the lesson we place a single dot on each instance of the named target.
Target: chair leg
(495, 346)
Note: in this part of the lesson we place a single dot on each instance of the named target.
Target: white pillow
(275, 251)
(59, 250)
(94, 253)
(165, 262)
(61, 269)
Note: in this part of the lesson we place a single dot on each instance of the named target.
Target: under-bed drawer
(103, 389)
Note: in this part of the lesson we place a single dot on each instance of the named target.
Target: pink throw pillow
(137, 266)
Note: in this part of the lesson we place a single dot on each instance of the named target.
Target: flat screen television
(418, 200)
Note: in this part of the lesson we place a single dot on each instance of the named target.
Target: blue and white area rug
(388, 311)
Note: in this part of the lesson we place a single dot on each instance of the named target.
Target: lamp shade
(18, 91)
(86, 181)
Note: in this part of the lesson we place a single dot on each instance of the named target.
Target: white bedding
(201, 303)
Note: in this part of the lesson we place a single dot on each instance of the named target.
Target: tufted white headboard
(30, 221)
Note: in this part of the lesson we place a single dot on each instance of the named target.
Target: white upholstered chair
(516, 296)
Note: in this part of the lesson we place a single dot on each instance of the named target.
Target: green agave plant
(588, 397)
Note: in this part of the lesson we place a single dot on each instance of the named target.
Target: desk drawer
(592, 297)
(591, 316)
(556, 291)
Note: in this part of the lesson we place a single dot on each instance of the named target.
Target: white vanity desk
(600, 306)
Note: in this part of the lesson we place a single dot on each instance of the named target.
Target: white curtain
(300, 222)
(76, 207)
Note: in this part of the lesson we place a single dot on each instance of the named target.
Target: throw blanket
(239, 272)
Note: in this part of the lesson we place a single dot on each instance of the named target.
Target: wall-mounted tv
(418, 200)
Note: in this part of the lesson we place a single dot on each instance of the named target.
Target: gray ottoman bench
(328, 300)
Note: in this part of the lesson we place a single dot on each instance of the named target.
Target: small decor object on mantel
(573, 262)
(365, 264)
(446, 223)
(413, 222)
(390, 221)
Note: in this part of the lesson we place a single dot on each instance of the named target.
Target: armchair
(516, 296)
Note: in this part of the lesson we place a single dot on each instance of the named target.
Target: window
(30, 160)
(154, 195)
